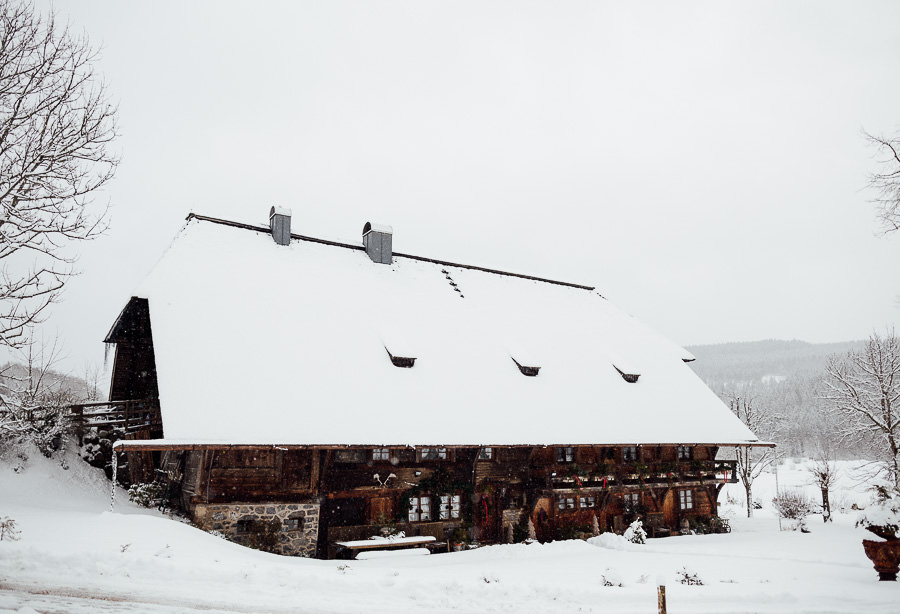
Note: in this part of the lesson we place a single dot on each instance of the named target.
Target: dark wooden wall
(357, 492)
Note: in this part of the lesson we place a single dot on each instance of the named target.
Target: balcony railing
(130, 416)
(649, 474)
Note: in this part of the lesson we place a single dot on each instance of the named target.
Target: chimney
(377, 239)
(280, 225)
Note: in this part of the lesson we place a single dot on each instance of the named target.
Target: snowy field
(74, 557)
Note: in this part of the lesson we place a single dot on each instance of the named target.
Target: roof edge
(169, 444)
(204, 218)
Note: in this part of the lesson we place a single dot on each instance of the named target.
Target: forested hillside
(781, 376)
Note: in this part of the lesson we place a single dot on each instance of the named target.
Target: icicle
(106, 348)
(115, 467)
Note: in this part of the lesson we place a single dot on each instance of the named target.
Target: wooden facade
(453, 493)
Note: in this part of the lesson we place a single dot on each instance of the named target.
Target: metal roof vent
(280, 225)
(377, 239)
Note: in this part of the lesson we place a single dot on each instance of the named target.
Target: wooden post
(661, 598)
(78, 418)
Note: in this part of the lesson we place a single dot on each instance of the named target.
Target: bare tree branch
(863, 389)
(56, 125)
(751, 462)
(886, 182)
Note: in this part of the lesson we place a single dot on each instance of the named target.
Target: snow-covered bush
(883, 516)
(689, 577)
(794, 506)
(147, 494)
(8, 529)
(635, 533)
(611, 577)
(20, 424)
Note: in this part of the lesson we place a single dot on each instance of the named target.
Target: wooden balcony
(658, 474)
(131, 416)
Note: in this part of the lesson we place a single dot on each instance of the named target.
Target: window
(294, 523)
(587, 501)
(685, 499)
(419, 508)
(353, 455)
(632, 498)
(449, 507)
(685, 453)
(381, 454)
(433, 453)
(565, 455)
(629, 454)
(567, 503)
(244, 525)
(485, 454)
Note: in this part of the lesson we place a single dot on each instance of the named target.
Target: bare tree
(886, 182)
(56, 126)
(824, 444)
(751, 462)
(863, 389)
(824, 472)
(36, 397)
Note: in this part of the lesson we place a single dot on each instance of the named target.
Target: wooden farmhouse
(341, 388)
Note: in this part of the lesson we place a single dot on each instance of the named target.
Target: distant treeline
(783, 376)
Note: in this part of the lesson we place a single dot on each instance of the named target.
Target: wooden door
(381, 511)
(543, 526)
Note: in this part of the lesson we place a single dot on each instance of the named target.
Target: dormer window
(404, 362)
(627, 376)
(526, 370)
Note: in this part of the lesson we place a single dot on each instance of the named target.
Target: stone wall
(224, 519)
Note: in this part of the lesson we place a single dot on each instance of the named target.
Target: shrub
(689, 577)
(882, 517)
(635, 533)
(698, 526)
(147, 494)
(792, 505)
(8, 530)
(520, 529)
(611, 577)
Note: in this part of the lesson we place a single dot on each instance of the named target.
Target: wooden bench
(349, 549)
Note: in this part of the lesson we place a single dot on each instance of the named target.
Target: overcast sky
(700, 163)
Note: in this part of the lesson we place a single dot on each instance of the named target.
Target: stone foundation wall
(224, 518)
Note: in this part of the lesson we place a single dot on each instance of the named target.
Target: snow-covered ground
(74, 556)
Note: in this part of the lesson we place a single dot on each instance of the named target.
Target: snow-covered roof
(258, 343)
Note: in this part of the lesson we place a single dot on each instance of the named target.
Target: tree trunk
(749, 498)
(826, 507)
